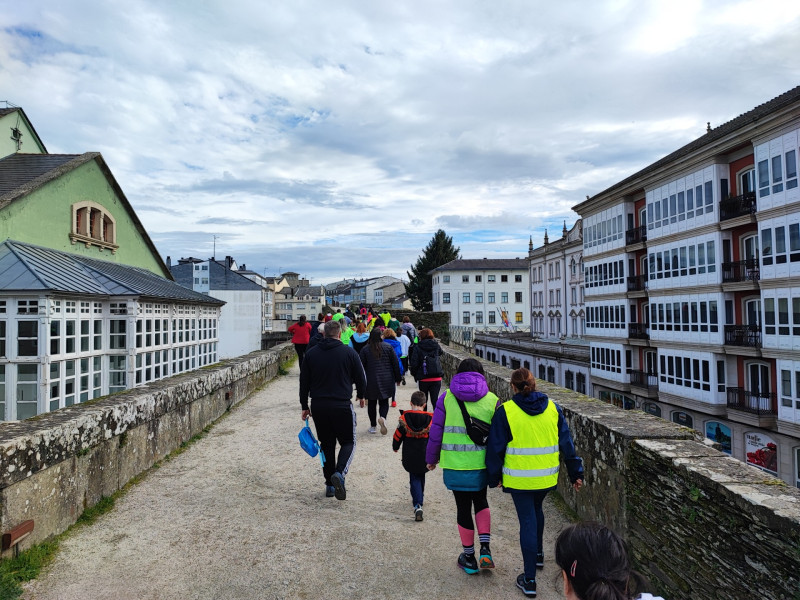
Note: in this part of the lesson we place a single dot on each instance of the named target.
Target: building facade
(87, 306)
(242, 317)
(555, 350)
(491, 294)
(692, 272)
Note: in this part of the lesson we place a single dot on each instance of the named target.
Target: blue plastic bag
(310, 444)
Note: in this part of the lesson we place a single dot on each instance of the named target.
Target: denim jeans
(416, 482)
(531, 526)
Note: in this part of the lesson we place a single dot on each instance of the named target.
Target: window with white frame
(478, 297)
(465, 318)
(465, 297)
(445, 297)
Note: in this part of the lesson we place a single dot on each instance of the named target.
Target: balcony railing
(638, 331)
(743, 335)
(741, 270)
(752, 402)
(737, 206)
(644, 379)
(637, 283)
(636, 235)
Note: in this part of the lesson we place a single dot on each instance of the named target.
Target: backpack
(431, 365)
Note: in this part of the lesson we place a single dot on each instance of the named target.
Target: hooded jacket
(382, 371)
(358, 341)
(409, 330)
(467, 387)
(329, 371)
(532, 404)
(412, 433)
(398, 350)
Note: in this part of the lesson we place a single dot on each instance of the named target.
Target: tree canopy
(439, 251)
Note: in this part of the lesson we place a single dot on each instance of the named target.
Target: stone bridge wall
(54, 466)
(699, 523)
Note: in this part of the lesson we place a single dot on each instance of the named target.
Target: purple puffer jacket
(468, 387)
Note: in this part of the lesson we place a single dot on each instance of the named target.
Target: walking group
(477, 439)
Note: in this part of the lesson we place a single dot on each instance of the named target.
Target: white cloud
(336, 126)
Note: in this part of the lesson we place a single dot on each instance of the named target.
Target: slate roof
(29, 268)
(477, 264)
(21, 174)
(719, 132)
(219, 277)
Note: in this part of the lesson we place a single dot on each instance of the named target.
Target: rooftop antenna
(214, 255)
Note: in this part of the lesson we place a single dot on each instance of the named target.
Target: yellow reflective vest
(531, 460)
(459, 452)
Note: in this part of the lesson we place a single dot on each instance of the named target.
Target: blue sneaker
(337, 479)
(329, 491)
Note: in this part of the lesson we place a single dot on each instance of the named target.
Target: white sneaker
(372, 430)
(382, 423)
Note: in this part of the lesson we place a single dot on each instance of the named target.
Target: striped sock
(485, 538)
(469, 550)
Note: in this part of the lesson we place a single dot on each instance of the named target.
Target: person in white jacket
(595, 565)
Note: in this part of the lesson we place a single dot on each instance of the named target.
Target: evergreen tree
(439, 251)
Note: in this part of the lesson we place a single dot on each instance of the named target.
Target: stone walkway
(242, 514)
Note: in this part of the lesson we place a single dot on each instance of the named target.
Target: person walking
(301, 332)
(360, 338)
(522, 454)
(426, 366)
(595, 565)
(383, 372)
(407, 328)
(463, 467)
(328, 373)
(412, 433)
(390, 338)
(405, 344)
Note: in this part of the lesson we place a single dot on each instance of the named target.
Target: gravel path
(242, 514)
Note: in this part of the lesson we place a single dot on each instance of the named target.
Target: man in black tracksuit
(328, 373)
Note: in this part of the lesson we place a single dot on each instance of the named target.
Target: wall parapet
(699, 523)
(56, 465)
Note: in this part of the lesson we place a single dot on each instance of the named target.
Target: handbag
(477, 430)
(310, 444)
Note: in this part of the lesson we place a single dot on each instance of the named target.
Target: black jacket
(382, 371)
(416, 354)
(329, 371)
(412, 432)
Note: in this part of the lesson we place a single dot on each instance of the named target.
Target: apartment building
(242, 319)
(555, 349)
(692, 287)
(484, 293)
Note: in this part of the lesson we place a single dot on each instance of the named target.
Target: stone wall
(54, 466)
(699, 523)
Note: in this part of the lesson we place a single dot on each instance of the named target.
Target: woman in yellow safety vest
(463, 466)
(526, 437)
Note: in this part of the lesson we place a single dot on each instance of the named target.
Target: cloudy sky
(334, 138)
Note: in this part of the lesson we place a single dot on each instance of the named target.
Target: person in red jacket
(301, 332)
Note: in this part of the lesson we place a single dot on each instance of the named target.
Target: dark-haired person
(595, 566)
(462, 461)
(301, 332)
(528, 436)
(425, 365)
(383, 373)
(329, 371)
